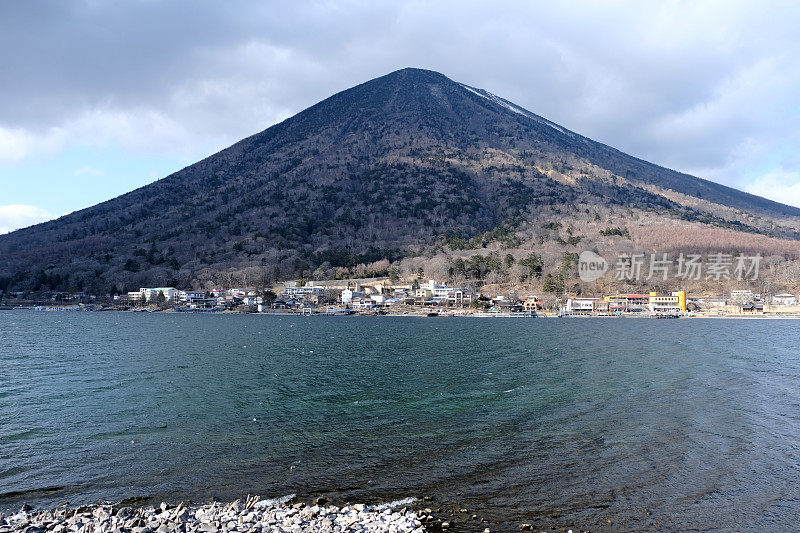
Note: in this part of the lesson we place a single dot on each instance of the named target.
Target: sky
(98, 98)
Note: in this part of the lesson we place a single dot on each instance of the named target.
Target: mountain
(403, 169)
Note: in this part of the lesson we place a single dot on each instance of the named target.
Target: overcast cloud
(710, 88)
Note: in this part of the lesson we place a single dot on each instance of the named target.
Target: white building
(581, 306)
(171, 294)
(236, 293)
(742, 296)
(362, 304)
(348, 295)
(711, 302)
(784, 299)
(299, 292)
(435, 290)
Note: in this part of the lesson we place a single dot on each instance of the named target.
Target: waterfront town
(379, 296)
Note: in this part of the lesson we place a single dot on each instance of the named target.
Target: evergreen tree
(533, 266)
(160, 298)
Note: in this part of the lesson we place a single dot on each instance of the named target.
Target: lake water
(648, 424)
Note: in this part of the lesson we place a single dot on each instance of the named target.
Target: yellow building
(661, 304)
(531, 304)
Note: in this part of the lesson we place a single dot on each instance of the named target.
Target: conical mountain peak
(381, 171)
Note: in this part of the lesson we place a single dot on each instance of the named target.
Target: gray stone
(234, 517)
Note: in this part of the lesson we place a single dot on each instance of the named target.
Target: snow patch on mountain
(511, 107)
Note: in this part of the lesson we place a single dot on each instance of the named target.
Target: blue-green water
(651, 424)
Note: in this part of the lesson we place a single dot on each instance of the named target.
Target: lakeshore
(248, 515)
(381, 297)
(731, 312)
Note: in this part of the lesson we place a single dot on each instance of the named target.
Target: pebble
(250, 514)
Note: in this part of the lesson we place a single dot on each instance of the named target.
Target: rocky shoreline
(251, 514)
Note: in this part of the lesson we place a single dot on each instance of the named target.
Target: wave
(39, 491)
(273, 502)
(392, 504)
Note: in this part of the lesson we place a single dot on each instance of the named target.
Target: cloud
(704, 87)
(15, 144)
(17, 216)
(777, 185)
(88, 170)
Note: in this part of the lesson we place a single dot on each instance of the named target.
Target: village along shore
(379, 297)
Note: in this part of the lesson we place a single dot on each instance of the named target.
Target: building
(292, 291)
(581, 306)
(423, 293)
(239, 294)
(742, 296)
(170, 294)
(673, 304)
(402, 292)
(628, 302)
(784, 299)
(362, 304)
(348, 295)
(441, 294)
(711, 302)
(459, 298)
(136, 296)
(145, 294)
(199, 300)
(532, 303)
(285, 303)
(431, 289)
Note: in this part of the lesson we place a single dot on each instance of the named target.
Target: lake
(646, 424)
